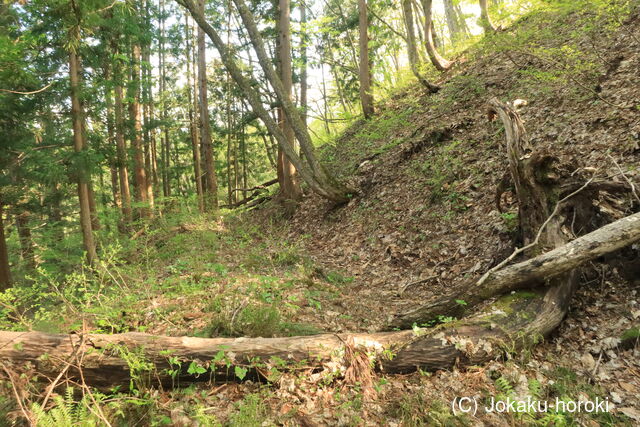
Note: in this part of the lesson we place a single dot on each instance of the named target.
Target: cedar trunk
(193, 111)
(5, 271)
(287, 176)
(139, 176)
(26, 241)
(366, 97)
(79, 146)
(211, 187)
(121, 150)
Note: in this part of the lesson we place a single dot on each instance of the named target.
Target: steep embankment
(428, 166)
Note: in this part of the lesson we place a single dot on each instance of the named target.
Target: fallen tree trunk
(256, 192)
(257, 187)
(532, 272)
(107, 360)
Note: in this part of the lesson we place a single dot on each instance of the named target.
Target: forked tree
(437, 60)
(311, 170)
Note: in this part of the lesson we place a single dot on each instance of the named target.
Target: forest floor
(424, 222)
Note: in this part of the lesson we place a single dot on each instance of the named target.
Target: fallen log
(108, 360)
(532, 272)
(257, 190)
(257, 187)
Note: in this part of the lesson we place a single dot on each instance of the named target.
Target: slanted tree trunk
(532, 272)
(311, 170)
(366, 96)
(79, 146)
(437, 60)
(412, 51)
(211, 188)
(193, 127)
(538, 189)
(287, 175)
(485, 18)
(5, 271)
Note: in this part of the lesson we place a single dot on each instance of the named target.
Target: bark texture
(533, 272)
(140, 175)
(287, 174)
(366, 97)
(211, 188)
(485, 18)
(79, 146)
(5, 271)
(412, 50)
(437, 60)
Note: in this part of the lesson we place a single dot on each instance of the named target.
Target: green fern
(535, 388)
(66, 412)
(504, 386)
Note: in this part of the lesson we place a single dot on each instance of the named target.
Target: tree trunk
(437, 60)
(147, 103)
(485, 18)
(165, 144)
(193, 127)
(287, 175)
(140, 177)
(93, 207)
(311, 171)
(303, 62)
(5, 271)
(366, 96)
(457, 28)
(27, 251)
(211, 188)
(121, 150)
(79, 146)
(111, 137)
(267, 148)
(243, 151)
(412, 51)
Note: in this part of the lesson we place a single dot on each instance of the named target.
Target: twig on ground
(68, 364)
(633, 187)
(17, 395)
